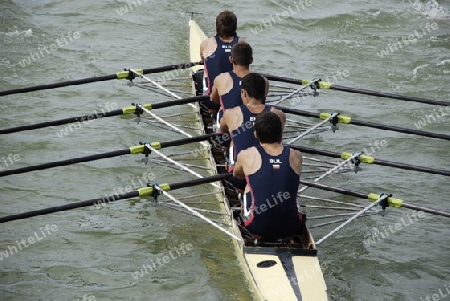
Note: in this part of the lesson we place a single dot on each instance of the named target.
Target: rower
(226, 89)
(238, 121)
(215, 51)
(272, 174)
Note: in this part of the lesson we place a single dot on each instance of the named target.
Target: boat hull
(275, 272)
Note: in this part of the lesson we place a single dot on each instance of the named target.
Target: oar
(393, 202)
(349, 120)
(126, 110)
(325, 85)
(119, 75)
(142, 192)
(372, 160)
(138, 149)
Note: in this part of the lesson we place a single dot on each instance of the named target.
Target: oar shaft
(104, 155)
(399, 129)
(413, 167)
(370, 124)
(360, 91)
(64, 162)
(141, 192)
(85, 118)
(365, 196)
(66, 207)
(182, 101)
(190, 140)
(335, 189)
(426, 209)
(389, 95)
(59, 85)
(94, 79)
(298, 112)
(404, 166)
(198, 181)
(95, 115)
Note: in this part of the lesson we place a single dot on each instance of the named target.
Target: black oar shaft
(370, 124)
(413, 167)
(365, 196)
(283, 79)
(64, 162)
(58, 85)
(85, 118)
(182, 101)
(70, 206)
(94, 79)
(102, 156)
(335, 189)
(298, 112)
(95, 115)
(404, 166)
(426, 209)
(199, 181)
(389, 95)
(189, 140)
(399, 129)
(361, 91)
(111, 198)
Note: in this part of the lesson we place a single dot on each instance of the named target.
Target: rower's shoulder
(223, 77)
(295, 156)
(248, 153)
(233, 111)
(278, 112)
(208, 42)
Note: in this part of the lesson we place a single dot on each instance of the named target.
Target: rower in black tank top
(219, 61)
(270, 206)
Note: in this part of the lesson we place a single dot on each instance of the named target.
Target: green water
(94, 252)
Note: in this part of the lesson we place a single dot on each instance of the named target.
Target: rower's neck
(241, 71)
(254, 105)
(273, 149)
(227, 39)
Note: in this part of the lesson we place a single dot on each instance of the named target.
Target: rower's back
(215, 51)
(272, 174)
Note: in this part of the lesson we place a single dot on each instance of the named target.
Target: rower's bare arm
(296, 159)
(281, 115)
(223, 123)
(238, 170)
(215, 97)
(202, 49)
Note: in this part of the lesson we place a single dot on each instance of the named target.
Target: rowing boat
(275, 270)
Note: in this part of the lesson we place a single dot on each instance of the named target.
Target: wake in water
(431, 9)
(17, 33)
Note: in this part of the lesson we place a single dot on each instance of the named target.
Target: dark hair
(242, 54)
(268, 127)
(255, 85)
(226, 24)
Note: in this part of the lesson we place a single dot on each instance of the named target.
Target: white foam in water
(444, 62)
(16, 33)
(430, 9)
(417, 69)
